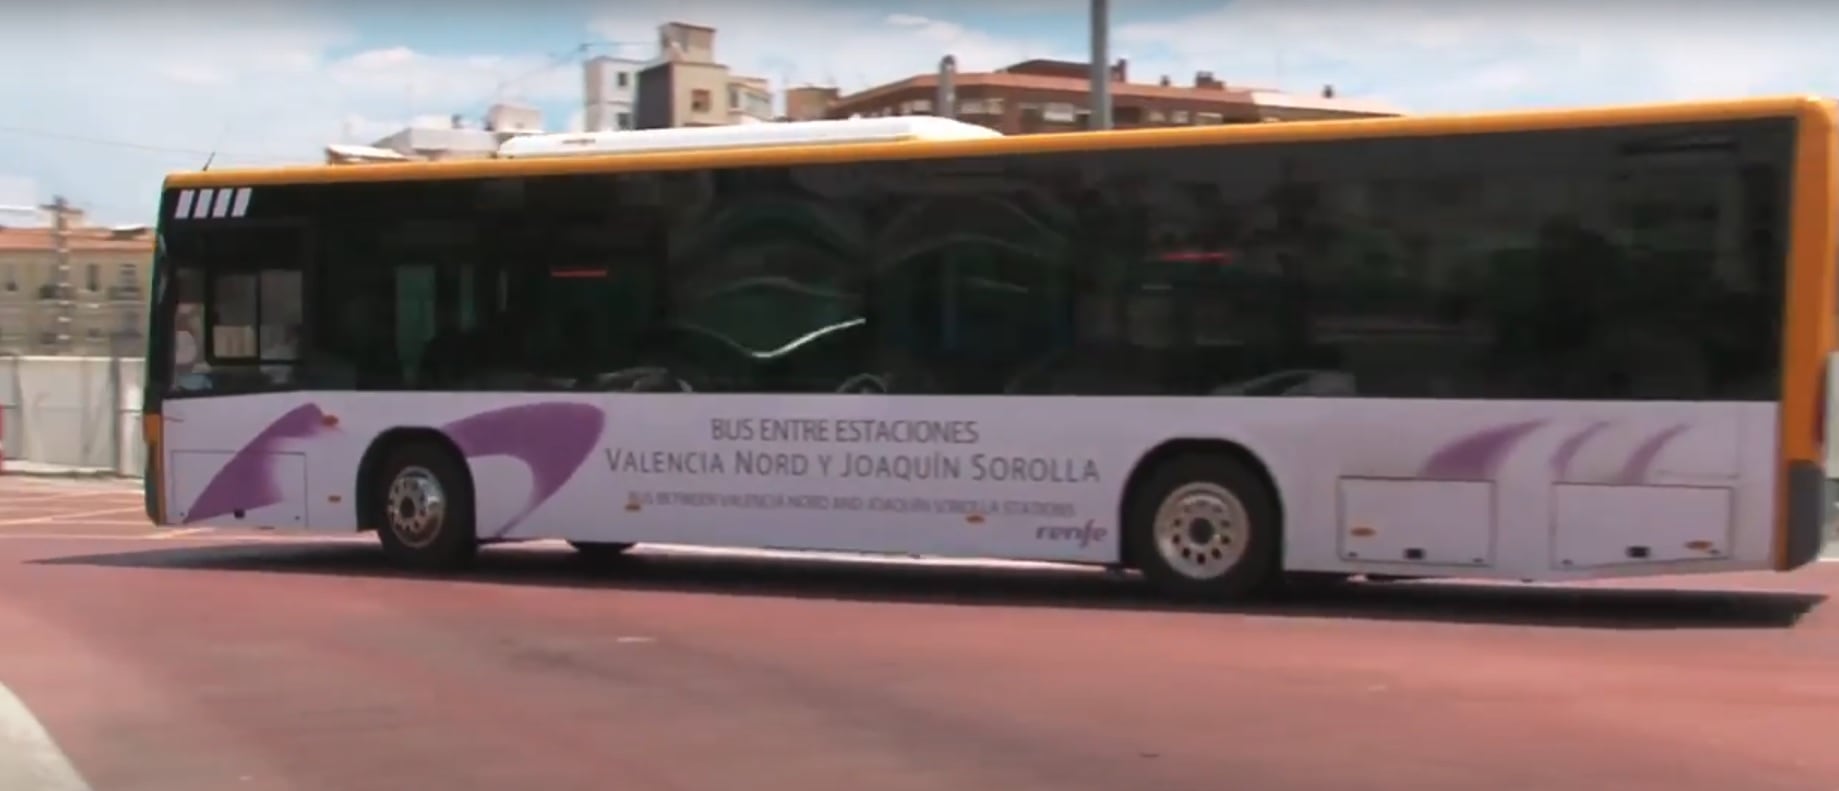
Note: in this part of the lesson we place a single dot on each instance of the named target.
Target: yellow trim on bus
(1808, 297)
(1229, 134)
(153, 433)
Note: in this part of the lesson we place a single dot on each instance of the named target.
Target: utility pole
(945, 105)
(64, 293)
(60, 279)
(117, 409)
(1101, 64)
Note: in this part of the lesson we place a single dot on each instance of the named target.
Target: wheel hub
(417, 506)
(1202, 530)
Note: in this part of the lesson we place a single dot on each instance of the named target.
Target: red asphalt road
(180, 663)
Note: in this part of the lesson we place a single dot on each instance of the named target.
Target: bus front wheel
(427, 508)
(1205, 526)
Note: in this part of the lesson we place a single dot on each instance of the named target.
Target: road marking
(35, 498)
(140, 523)
(18, 536)
(37, 520)
(29, 757)
(180, 532)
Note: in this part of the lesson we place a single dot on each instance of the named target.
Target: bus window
(255, 320)
(190, 371)
(237, 309)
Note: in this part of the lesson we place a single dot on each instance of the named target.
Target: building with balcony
(100, 299)
(1039, 96)
(687, 86)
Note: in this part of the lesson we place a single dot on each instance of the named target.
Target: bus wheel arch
(434, 455)
(1209, 467)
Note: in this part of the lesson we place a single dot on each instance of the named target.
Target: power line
(127, 144)
(574, 55)
(571, 55)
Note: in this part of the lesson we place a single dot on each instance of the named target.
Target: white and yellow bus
(1532, 345)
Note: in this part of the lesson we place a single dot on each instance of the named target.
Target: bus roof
(760, 135)
(664, 157)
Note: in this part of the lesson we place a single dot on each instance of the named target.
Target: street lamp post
(1101, 64)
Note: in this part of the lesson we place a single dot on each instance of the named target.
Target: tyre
(597, 551)
(426, 499)
(1205, 527)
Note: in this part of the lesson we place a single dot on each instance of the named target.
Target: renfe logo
(1086, 534)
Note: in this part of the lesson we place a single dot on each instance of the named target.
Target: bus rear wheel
(1205, 527)
(426, 504)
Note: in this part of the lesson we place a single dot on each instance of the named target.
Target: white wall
(60, 410)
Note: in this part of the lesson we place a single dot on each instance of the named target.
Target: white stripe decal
(222, 209)
(183, 207)
(241, 206)
(202, 208)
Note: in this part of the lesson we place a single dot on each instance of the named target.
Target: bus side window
(254, 321)
(190, 371)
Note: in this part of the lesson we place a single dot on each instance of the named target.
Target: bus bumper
(1812, 514)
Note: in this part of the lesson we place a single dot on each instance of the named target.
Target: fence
(73, 412)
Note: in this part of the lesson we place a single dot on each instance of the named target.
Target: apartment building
(1038, 96)
(689, 87)
(810, 102)
(106, 302)
(610, 87)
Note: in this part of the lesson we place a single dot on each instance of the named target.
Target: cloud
(1444, 56)
(137, 94)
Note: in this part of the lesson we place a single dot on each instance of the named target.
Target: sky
(105, 97)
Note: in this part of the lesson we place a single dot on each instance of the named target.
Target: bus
(1538, 346)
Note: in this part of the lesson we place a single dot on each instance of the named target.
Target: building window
(1058, 112)
(92, 277)
(12, 279)
(623, 121)
(700, 101)
(990, 106)
(1209, 118)
(734, 97)
(1157, 117)
(1178, 116)
(622, 79)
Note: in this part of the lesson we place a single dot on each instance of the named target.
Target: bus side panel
(1540, 490)
(268, 461)
(1524, 489)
